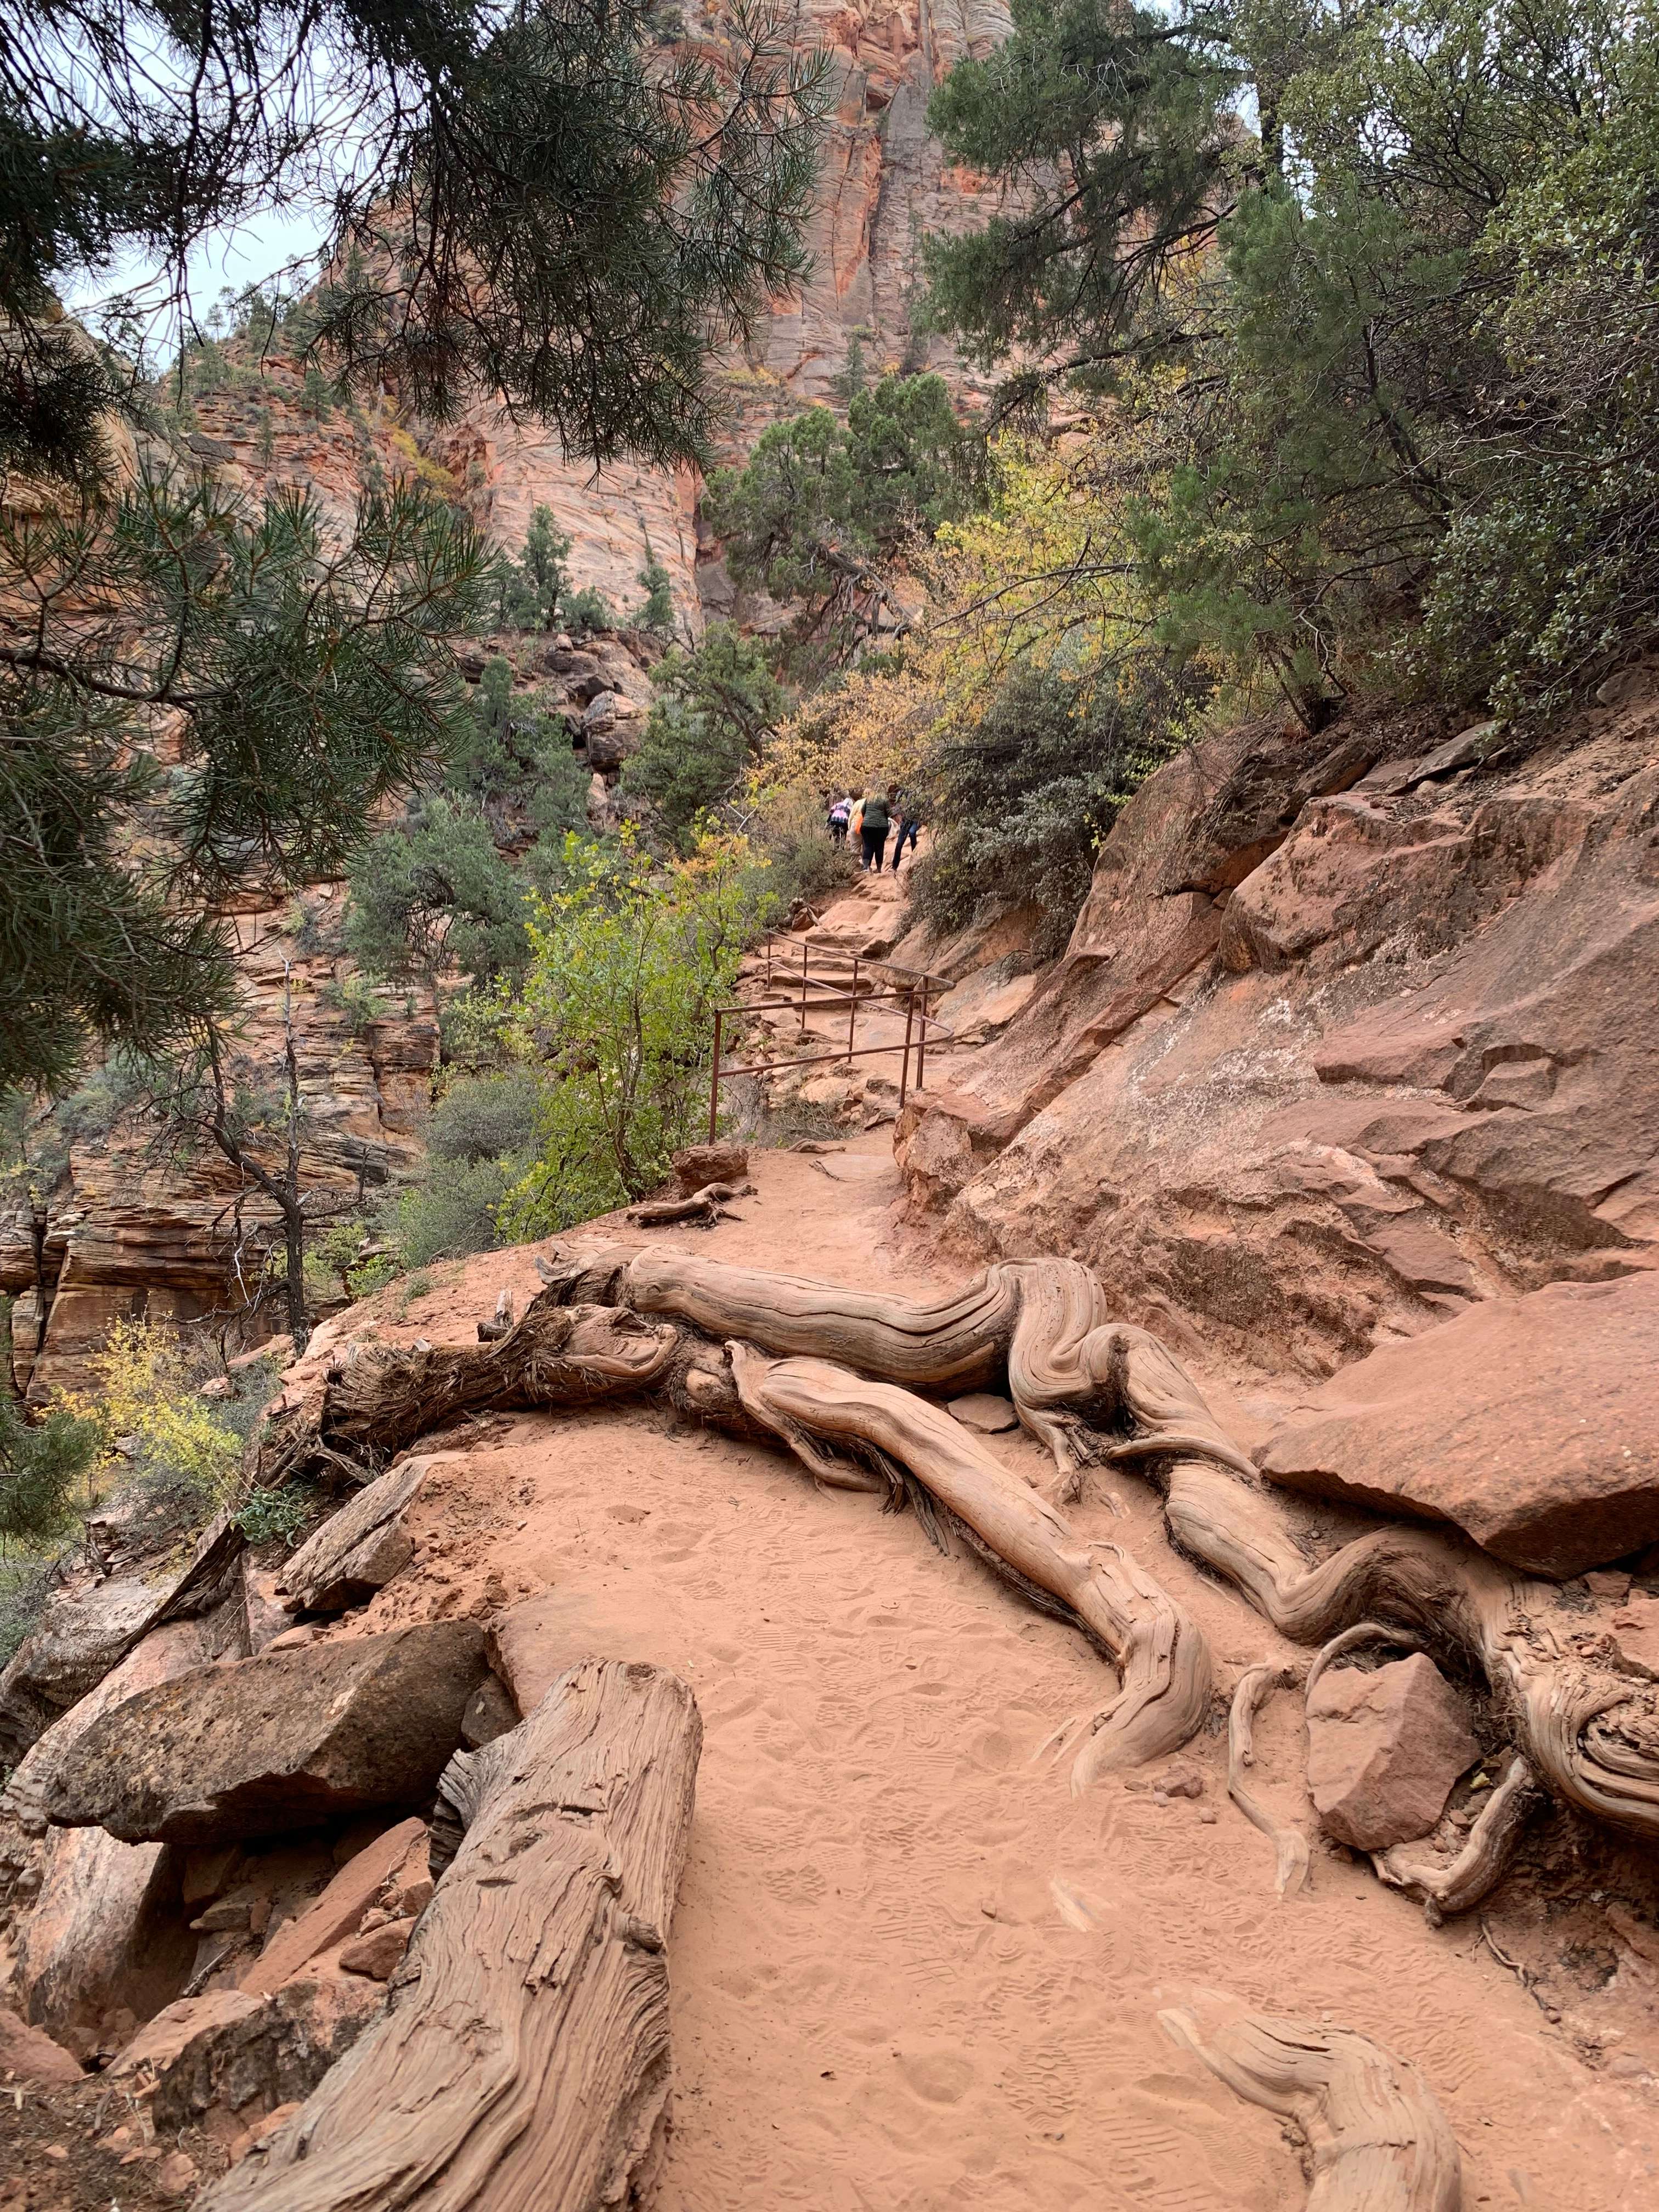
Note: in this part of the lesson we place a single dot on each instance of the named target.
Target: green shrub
(42, 1465)
(628, 961)
(480, 1142)
(715, 706)
(269, 1516)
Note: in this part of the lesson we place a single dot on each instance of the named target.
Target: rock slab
(983, 1410)
(283, 1740)
(358, 1549)
(1531, 1423)
(1384, 1749)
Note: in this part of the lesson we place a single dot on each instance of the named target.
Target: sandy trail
(910, 1970)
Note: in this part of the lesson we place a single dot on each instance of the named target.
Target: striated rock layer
(1346, 1042)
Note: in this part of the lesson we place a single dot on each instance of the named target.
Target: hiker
(909, 822)
(855, 819)
(873, 819)
(838, 818)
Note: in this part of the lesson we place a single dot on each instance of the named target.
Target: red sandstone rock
(380, 1953)
(337, 1913)
(284, 1740)
(29, 2054)
(1532, 1423)
(1384, 1750)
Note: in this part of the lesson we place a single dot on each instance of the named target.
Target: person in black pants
(872, 832)
(909, 822)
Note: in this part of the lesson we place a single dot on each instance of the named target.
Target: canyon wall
(128, 1232)
(1354, 1033)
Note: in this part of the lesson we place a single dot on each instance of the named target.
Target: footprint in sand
(938, 2077)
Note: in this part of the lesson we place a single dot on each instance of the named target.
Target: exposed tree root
(1456, 1598)
(1163, 1661)
(1447, 1886)
(1096, 1389)
(1378, 2140)
(847, 1432)
(1255, 1686)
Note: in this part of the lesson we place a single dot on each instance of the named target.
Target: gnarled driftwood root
(1447, 1886)
(1378, 2140)
(1162, 1658)
(1255, 1686)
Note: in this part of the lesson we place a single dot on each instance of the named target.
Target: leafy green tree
(1117, 124)
(302, 682)
(656, 610)
(435, 896)
(41, 1464)
(1395, 396)
(532, 587)
(715, 706)
(629, 960)
(822, 508)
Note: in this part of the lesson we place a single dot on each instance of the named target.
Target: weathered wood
(522, 2064)
(1379, 2142)
(1163, 1661)
(705, 1205)
(1447, 1886)
(1255, 1686)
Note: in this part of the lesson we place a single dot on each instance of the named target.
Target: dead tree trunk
(523, 2058)
(1378, 2140)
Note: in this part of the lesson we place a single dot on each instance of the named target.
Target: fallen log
(523, 2058)
(1378, 2140)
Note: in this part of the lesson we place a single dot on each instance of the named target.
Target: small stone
(1636, 1635)
(29, 2054)
(1182, 1782)
(1384, 1749)
(176, 2176)
(292, 1639)
(984, 1411)
(380, 1953)
(227, 1913)
(56, 2150)
(1609, 1582)
(1206, 1814)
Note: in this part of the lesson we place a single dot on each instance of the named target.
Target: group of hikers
(866, 819)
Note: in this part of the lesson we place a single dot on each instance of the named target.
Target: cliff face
(1352, 1034)
(126, 1232)
(883, 185)
(134, 1230)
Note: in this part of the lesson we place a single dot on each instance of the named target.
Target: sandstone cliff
(1352, 1033)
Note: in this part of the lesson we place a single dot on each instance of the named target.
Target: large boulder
(89, 1626)
(95, 1930)
(243, 2055)
(283, 1740)
(1532, 1423)
(1384, 1749)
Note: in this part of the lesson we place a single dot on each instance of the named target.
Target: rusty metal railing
(826, 993)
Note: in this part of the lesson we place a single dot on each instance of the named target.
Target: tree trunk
(522, 2064)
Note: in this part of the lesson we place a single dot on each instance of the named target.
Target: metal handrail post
(921, 1044)
(853, 1008)
(803, 987)
(715, 1082)
(904, 1064)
